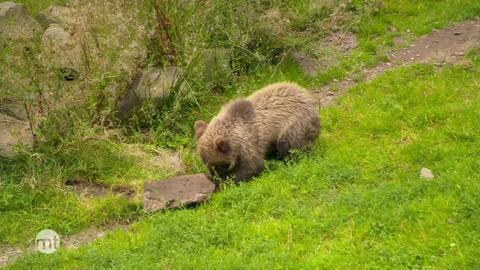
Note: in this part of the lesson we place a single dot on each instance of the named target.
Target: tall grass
(215, 44)
(218, 43)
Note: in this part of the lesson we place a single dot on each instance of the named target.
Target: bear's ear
(200, 127)
(222, 145)
(241, 108)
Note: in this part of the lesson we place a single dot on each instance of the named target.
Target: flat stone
(426, 174)
(176, 192)
(128, 58)
(13, 132)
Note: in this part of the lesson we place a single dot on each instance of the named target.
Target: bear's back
(279, 105)
(283, 102)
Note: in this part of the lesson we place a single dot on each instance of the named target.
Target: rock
(14, 109)
(60, 51)
(16, 23)
(426, 174)
(177, 191)
(156, 82)
(128, 103)
(152, 83)
(56, 15)
(129, 57)
(12, 132)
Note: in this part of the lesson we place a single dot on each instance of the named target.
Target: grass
(32, 198)
(34, 6)
(356, 200)
(394, 19)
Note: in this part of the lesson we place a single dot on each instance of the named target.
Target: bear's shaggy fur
(276, 119)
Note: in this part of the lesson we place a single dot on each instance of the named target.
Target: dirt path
(9, 254)
(444, 46)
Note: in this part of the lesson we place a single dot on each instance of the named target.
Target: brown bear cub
(274, 119)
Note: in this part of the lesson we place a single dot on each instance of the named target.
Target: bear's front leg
(248, 168)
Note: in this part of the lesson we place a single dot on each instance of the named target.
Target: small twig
(40, 101)
(30, 122)
(343, 33)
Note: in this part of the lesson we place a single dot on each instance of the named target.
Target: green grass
(392, 19)
(356, 200)
(34, 6)
(33, 196)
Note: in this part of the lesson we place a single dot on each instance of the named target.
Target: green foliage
(356, 200)
(35, 6)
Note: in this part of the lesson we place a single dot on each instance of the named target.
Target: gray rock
(55, 15)
(59, 49)
(156, 82)
(152, 83)
(129, 57)
(16, 23)
(13, 108)
(426, 174)
(177, 191)
(127, 104)
(12, 132)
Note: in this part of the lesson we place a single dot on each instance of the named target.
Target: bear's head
(218, 142)
(216, 147)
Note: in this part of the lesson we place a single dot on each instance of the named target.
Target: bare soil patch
(326, 51)
(84, 187)
(9, 254)
(444, 46)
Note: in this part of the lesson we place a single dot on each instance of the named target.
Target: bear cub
(274, 119)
